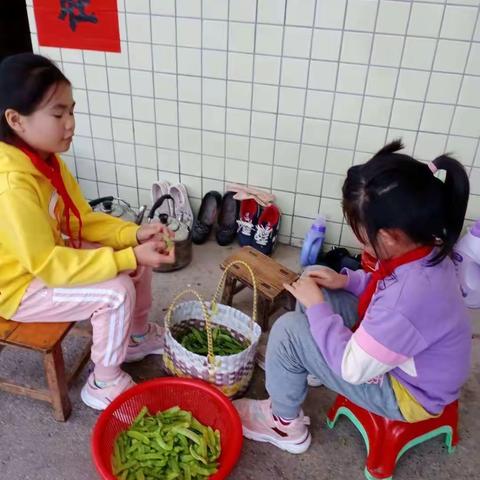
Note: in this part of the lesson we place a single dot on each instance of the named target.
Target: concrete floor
(34, 446)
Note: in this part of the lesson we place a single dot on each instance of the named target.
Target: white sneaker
(159, 189)
(183, 210)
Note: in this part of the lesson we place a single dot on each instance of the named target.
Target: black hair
(25, 79)
(393, 190)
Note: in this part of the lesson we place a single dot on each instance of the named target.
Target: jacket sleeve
(26, 232)
(357, 280)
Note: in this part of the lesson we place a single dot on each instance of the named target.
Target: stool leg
(57, 383)
(228, 290)
(263, 310)
(382, 456)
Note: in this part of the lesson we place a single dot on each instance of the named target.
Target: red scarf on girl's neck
(384, 269)
(50, 168)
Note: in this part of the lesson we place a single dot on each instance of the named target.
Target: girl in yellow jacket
(49, 270)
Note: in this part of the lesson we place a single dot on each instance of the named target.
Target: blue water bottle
(312, 245)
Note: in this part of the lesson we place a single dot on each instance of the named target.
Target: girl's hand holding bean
(328, 278)
(153, 231)
(306, 291)
(154, 253)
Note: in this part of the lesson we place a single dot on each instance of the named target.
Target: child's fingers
(290, 288)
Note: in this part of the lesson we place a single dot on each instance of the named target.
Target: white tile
(286, 154)
(284, 178)
(436, 118)
(190, 140)
(412, 84)
(98, 103)
(347, 107)
(419, 53)
(292, 100)
(167, 136)
(451, 56)
(103, 150)
(466, 121)
(331, 209)
(146, 156)
(263, 125)
(213, 167)
(126, 175)
(83, 147)
(189, 8)
(300, 226)
(473, 209)
(243, 10)
(376, 111)
(322, 75)
(285, 201)
(470, 93)
(361, 15)
(371, 139)
(319, 104)
(116, 59)
(271, 11)
(166, 86)
(101, 127)
(213, 143)
(420, 13)
(406, 114)
(189, 61)
(338, 161)
(118, 80)
(191, 163)
(309, 183)
(238, 121)
(306, 205)
(144, 133)
(241, 37)
(168, 160)
(330, 13)
(214, 64)
(214, 91)
(189, 115)
(297, 42)
(342, 135)
(259, 175)
(443, 87)
(351, 78)
(82, 124)
(146, 177)
(332, 185)
(52, 53)
(138, 28)
(142, 83)
(189, 32)
(239, 94)
(475, 181)
(81, 101)
(125, 153)
(213, 118)
(326, 44)
(86, 169)
(163, 30)
(300, 12)
(240, 66)
(269, 39)
(123, 130)
(392, 17)
(237, 147)
(312, 157)
(381, 81)
(289, 128)
(236, 171)
(429, 145)
(387, 50)
(96, 77)
(165, 7)
(473, 65)
(294, 72)
(189, 89)
(315, 131)
(137, 6)
(215, 34)
(407, 136)
(348, 238)
(140, 56)
(265, 97)
(215, 9)
(267, 69)
(356, 47)
(164, 58)
(143, 109)
(261, 150)
(458, 22)
(462, 148)
(105, 171)
(75, 73)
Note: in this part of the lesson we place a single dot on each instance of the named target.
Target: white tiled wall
(281, 94)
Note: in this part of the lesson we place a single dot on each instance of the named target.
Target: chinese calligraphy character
(75, 9)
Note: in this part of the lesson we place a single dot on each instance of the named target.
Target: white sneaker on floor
(159, 189)
(183, 210)
(100, 398)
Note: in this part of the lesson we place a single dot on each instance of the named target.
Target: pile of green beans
(195, 340)
(169, 445)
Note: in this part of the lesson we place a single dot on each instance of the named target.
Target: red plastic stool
(387, 440)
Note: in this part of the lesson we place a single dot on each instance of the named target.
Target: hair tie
(433, 168)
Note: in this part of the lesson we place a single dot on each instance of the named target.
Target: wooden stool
(45, 338)
(270, 276)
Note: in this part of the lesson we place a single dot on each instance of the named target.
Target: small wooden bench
(270, 276)
(45, 338)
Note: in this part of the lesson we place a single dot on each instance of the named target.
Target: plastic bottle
(312, 245)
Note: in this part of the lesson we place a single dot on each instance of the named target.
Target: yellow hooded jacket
(31, 227)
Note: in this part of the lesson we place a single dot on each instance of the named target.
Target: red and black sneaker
(265, 238)
(247, 223)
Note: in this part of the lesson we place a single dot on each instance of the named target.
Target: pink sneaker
(152, 343)
(100, 398)
(261, 425)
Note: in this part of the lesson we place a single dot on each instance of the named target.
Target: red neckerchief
(50, 168)
(384, 269)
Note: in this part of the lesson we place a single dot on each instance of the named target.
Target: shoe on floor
(152, 343)
(260, 424)
(183, 210)
(227, 219)
(207, 216)
(159, 189)
(100, 398)
(247, 223)
(266, 233)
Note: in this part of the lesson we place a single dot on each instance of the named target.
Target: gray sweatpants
(292, 354)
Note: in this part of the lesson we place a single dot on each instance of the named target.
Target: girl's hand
(154, 253)
(328, 278)
(153, 231)
(306, 291)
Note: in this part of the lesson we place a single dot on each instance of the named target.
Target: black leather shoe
(227, 220)
(207, 216)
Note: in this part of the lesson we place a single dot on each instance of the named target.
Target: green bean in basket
(169, 445)
(195, 340)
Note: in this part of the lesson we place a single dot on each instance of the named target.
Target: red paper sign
(83, 24)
